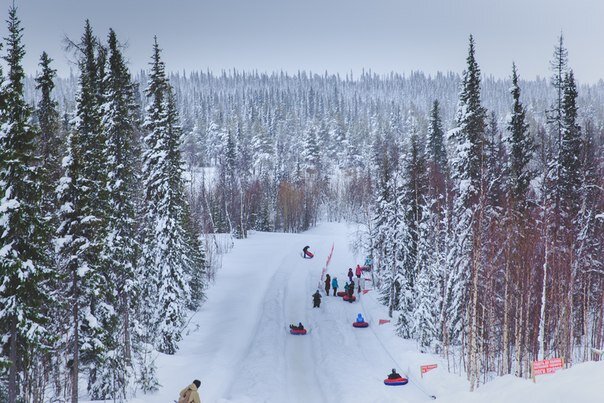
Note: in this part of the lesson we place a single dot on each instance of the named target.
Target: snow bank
(581, 383)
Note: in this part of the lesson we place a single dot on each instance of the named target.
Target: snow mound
(581, 383)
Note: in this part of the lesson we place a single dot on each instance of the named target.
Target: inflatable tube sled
(341, 293)
(298, 332)
(347, 298)
(395, 382)
(360, 324)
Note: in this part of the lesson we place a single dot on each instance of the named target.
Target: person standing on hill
(350, 274)
(316, 299)
(358, 271)
(327, 284)
(334, 285)
(190, 394)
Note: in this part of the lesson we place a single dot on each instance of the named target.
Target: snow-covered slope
(239, 346)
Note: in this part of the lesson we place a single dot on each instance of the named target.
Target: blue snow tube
(395, 382)
(298, 332)
(360, 324)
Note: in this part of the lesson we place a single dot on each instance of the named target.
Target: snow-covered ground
(239, 346)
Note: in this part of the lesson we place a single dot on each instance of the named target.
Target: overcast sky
(334, 35)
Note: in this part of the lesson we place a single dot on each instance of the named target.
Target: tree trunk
(75, 344)
(12, 373)
(505, 366)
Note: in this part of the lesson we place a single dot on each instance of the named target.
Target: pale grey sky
(333, 35)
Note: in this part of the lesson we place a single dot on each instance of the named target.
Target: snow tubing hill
(341, 293)
(360, 324)
(395, 382)
(347, 298)
(298, 332)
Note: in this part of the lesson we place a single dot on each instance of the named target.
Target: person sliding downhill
(394, 375)
(360, 318)
(299, 327)
(306, 254)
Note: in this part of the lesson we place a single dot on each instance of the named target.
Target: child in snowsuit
(358, 271)
(299, 327)
(350, 275)
(350, 292)
(316, 299)
(334, 285)
(327, 284)
(306, 253)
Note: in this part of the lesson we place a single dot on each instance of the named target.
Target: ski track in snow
(240, 347)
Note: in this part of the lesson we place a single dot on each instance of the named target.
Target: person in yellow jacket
(190, 394)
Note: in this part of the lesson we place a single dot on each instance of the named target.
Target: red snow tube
(298, 332)
(341, 293)
(347, 298)
(360, 324)
(396, 381)
(307, 255)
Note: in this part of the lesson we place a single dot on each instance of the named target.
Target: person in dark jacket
(306, 254)
(394, 374)
(327, 284)
(334, 285)
(316, 299)
(350, 292)
(298, 327)
(350, 274)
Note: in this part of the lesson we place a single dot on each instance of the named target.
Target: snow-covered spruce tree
(168, 264)
(433, 230)
(411, 192)
(82, 229)
(120, 248)
(309, 151)
(24, 261)
(436, 150)
(428, 284)
(383, 220)
(262, 146)
(570, 187)
(464, 257)
(50, 146)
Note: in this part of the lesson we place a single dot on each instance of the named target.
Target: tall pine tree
(24, 260)
(168, 262)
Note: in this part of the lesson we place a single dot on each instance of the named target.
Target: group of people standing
(352, 284)
(332, 283)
